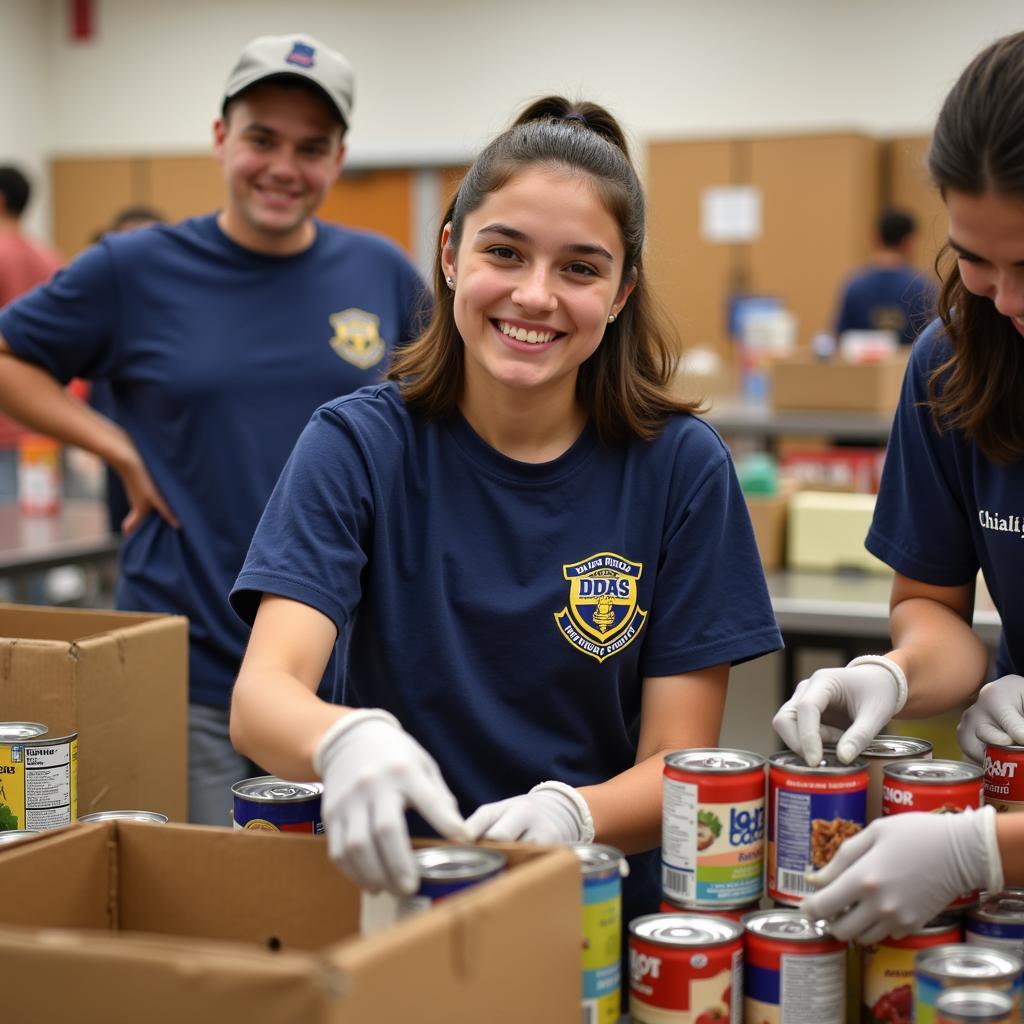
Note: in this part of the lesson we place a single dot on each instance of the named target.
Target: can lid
(935, 772)
(790, 924)
(151, 816)
(272, 790)
(713, 759)
(967, 960)
(885, 746)
(974, 1003)
(13, 835)
(1006, 906)
(599, 859)
(453, 862)
(829, 764)
(685, 929)
(19, 732)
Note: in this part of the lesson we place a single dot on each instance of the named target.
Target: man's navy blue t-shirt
(507, 613)
(895, 299)
(944, 510)
(216, 358)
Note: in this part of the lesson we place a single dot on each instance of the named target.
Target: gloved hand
(372, 770)
(850, 705)
(901, 871)
(551, 812)
(997, 716)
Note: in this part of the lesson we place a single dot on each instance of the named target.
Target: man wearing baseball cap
(219, 337)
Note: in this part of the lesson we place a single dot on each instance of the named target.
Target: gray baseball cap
(299, 55)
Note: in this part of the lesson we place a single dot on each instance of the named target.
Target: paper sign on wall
(730, 213)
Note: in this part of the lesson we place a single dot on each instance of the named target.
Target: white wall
(438, 77)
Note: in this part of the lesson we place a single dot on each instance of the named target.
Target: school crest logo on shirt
(602, 616)
(357, 337)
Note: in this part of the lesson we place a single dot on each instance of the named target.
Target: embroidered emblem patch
(302, 55)
(602, 616)
(357, 337)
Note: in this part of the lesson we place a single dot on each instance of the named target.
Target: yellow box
(827, 531)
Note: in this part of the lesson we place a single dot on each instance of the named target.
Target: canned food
(38, 475)
(962, 966)
(1004, 777)
(884, 750)
(887, 970)
(712, 841)
(998, 922)
(811, 811)
(38, 777)
(940, 787)
(685, 968)
(602, 868)
(793, 970)
(446, 870)
(732, 913)
(974, 1006)
(155, 817)
(269, 804)
(14, 836)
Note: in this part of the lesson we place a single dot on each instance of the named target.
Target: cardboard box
(118, 679)
(768, 517)
(827, 531)
(124, 922)
(803, 382)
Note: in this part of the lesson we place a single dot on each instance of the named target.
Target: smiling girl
(535, 563)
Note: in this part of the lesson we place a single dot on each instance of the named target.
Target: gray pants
(214, 766)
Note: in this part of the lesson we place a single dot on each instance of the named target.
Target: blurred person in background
(950, 504)
(218, 336)
(890, 294)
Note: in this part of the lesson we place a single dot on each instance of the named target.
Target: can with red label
(732, 913)
(998, 922)
(1004, 777)
(939, 787)
(684, 969)
(887, 970)
(885, 750)
(269, 804)
(793, 969)
(811, 811)
(712, 839)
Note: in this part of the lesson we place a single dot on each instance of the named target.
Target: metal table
(78, 535)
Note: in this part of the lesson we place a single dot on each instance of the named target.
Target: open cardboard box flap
(124, 921)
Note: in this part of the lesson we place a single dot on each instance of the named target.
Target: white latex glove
(372, 770)
(551, 812)
(847, 706)
(997, 716)
(902, 870)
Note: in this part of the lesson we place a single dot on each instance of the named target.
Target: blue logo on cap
(301, 55)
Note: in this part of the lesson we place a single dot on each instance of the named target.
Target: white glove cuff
(586, 821)
(342, 725)
(994, 860)
(902, 690)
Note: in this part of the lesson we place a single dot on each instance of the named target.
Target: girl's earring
(611, 318)
(451, 282)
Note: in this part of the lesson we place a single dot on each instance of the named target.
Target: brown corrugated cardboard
(802, 382)
(768, 517)
(172, 923)
(119, 679)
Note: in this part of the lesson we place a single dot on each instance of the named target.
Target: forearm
(33, 397)
(627, 808)
(944, 660)
(1010, 836)
(276, 721)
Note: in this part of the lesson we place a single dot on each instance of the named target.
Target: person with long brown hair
(950, 503)
(534, 562)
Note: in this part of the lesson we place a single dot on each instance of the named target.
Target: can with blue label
(811, 812)
(270, 804)
(998, 921)
(446, 870)
(602, 868)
